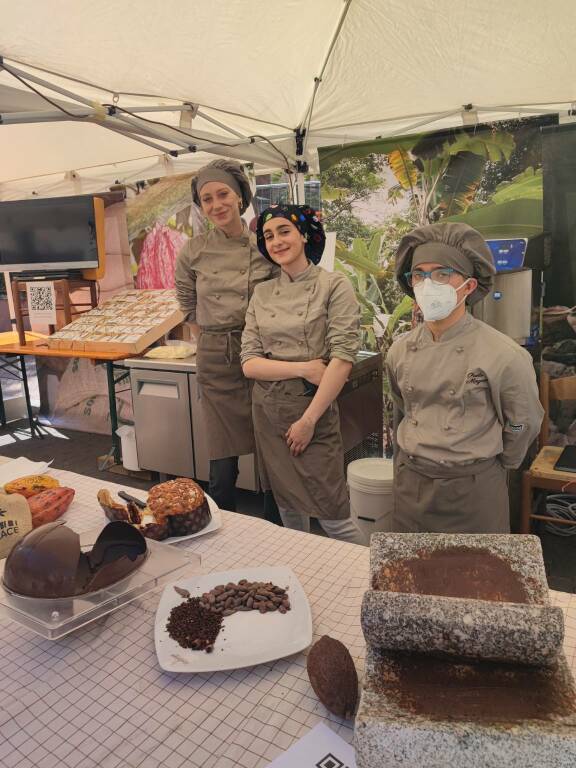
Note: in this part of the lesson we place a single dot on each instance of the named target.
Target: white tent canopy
(239, 77)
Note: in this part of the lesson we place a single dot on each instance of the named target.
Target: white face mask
(437, 301)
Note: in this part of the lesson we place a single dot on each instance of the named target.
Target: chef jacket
(469, 396)
(215, 277)
(314, 315)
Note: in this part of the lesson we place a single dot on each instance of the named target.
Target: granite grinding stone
(453, 607)
(417, 711)
(474, 629)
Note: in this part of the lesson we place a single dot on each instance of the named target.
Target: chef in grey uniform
(215, 276)
(301, 339)
(466, 394)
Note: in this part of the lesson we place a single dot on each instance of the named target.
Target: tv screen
(55, 233)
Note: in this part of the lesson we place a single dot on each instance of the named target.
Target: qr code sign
(41, 298)
(329, 761)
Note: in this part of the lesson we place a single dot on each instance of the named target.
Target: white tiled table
(98, 699)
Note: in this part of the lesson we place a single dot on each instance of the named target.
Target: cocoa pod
(333, 676)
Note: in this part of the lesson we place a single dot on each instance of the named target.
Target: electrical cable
(170, 127)
(147, 120)
(563, 507)
(200, 138)
(43, 96)
(137, 94)
(159, 123)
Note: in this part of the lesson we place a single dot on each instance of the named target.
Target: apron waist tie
(434, 470)
(229, 333)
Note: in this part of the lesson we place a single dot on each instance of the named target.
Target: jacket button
(272, 314)
(217, 296)
(442, 461)
(242, 297)
(300, 313)
(452, 391)
(413, 347)
(214, 271)
(410, 389)
(446, 428)
(414, 422)
(459, 349)
(242, 271)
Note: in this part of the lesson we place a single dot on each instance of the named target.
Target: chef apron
(312, 483)
(225, 393)
(436, 498)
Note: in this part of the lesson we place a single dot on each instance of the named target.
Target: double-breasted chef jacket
(315, 315)
(469, 410)
(215, 278)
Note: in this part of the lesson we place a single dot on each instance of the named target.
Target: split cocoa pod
(31, 485)
(333, 676)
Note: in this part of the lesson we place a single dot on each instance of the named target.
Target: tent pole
(300, 189)
(50, 86)
(318, 79)
(220, 125)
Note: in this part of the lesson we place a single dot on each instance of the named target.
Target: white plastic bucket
(371, 501)
(127, 435)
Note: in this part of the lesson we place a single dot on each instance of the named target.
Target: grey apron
(314, 482)
(225, 393)
(436, 498)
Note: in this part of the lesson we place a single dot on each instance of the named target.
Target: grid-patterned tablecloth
(98, 699)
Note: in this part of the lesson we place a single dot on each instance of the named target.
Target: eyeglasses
(440, 276)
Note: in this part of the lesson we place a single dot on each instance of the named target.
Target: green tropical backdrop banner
(489, 176)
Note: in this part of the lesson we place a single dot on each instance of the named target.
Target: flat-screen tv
(52, 234)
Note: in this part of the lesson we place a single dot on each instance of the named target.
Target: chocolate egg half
(48, 561)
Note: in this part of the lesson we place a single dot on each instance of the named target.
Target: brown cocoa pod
(333, 676)
(250, 602)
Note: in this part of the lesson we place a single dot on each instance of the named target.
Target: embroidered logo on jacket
(476, 377)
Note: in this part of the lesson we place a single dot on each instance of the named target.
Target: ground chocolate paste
(482, 692)
(453, 572)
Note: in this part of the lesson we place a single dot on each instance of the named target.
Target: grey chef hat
(227, 172)
(452, 244)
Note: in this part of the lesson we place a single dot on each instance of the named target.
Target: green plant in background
(351, 181)
(370, 270)
(382, 304)
(441, 173)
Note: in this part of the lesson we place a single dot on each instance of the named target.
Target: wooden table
(40, 348)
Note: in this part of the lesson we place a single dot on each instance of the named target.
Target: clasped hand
(299, 435)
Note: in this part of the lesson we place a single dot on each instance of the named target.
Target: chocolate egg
(48, 561)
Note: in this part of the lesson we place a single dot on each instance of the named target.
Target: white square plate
(246, 638)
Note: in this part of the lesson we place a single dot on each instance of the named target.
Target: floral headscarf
(306, 222)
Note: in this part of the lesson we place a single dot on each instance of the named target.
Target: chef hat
(451, 244)
(227, 172)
